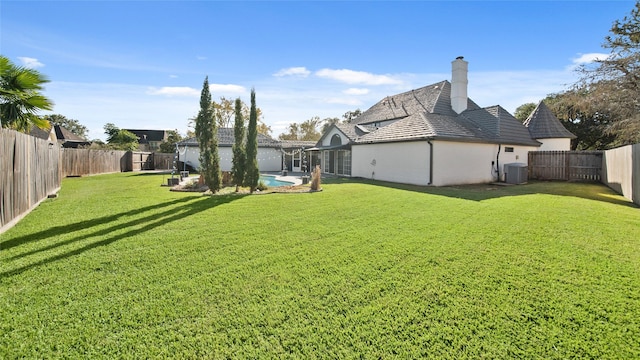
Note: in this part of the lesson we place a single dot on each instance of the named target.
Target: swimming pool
(271, 181)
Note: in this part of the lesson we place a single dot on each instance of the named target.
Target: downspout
(498, 162)
(430, 162)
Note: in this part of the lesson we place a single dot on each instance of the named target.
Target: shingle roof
(418, 126)
(426, 113)
(508, 128)
(145, 136)
(40, 133)
(226, 137)
(63, 134)
(296, 144)
(434, 98)
(543, 124)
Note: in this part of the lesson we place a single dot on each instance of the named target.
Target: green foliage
(328, 122)
(224, 113)
(312, 129)
(120, 139)
(207, 135)
(239, 156)
(132, 270)
(169, 145)
(216, 180)
(349, 116)
(252, 175)
(70, 124)
(523, 111)
(613, 84)
(306, 131)
(262, 186)
(584, 119)
(20, 97)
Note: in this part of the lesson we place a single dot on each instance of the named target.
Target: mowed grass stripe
(118, 266)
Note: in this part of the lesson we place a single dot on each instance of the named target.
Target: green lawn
(119, 267)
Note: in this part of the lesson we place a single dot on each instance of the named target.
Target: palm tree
(20, 97)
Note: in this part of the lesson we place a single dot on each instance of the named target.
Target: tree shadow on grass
(83, 225)
(480, 192)
(124, 230)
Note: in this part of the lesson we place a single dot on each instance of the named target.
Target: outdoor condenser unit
(515, 173)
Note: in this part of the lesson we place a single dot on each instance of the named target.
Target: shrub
(315, 178)
(262, 186)
(227, 178)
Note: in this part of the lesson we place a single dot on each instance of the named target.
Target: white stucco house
(269, 151)
(436, 135)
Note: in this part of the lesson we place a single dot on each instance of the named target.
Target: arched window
(336, 140)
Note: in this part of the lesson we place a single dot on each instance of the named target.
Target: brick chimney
(459, 82)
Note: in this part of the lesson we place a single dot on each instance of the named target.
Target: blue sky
(141, 64)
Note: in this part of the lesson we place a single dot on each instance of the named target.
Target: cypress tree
(252, 175)
(206, 133)
(216, 175)
(239, 157)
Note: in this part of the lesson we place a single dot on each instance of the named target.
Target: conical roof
(542, 124)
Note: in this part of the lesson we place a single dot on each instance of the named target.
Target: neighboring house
(45, 134)
(58, 134)
(547, 129)
(434, 135)
(67, 139)
(269, 151)
(150, 140)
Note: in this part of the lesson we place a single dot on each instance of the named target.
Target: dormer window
(336, 140)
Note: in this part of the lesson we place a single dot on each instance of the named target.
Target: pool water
(272, 182)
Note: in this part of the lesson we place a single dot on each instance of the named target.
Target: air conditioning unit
(515, 173)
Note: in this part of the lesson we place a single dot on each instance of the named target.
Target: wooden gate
(565, 165)
(140, 160)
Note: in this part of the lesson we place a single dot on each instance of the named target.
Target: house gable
(334, 135)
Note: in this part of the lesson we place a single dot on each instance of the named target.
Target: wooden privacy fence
(622, 171)
(565, 165)
(32, 168)
(163, 161)
(82, 162)
(29, 172)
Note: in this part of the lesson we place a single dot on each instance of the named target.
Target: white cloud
(357, 77)
(356, 91)
(589, 58)
(227, 89)
(174, 91)
(173, 76)
(293, 71)
(586, 60)
(30, 63)
(201, 58)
